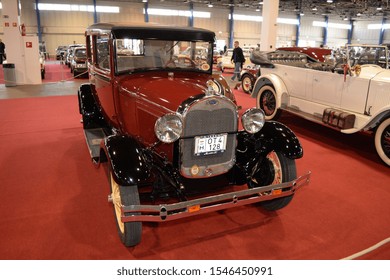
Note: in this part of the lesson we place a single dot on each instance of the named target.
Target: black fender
(274, 136)
(280, 138)
(86, 100)
(260, 83)
(128, 159)
(92, 117)
(252, 148)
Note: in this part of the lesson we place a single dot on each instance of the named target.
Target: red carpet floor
(54, 201)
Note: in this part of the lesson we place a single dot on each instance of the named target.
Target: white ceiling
(349, 9)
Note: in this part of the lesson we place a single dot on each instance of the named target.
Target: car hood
(167, 89)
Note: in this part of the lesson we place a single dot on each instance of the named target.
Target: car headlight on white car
(253, 120)
(168, 128)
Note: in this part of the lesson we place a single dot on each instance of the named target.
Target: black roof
(152, 31)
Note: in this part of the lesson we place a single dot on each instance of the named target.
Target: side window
(102, 52)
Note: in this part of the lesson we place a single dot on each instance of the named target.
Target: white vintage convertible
(351, 96)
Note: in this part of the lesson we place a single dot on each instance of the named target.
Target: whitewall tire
(266, 100)
(382, 141)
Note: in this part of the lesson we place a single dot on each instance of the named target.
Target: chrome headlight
(253, 120)
(168, 128)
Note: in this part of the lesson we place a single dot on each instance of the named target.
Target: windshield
(140, 55)
(81, 53)
(366, 54)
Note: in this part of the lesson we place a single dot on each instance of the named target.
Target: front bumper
(80, 70)
(174, 211)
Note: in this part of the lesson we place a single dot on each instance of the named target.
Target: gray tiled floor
(48, 89)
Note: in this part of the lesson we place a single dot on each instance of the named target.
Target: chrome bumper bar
(174, 211)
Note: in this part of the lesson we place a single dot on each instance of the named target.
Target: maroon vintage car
(167, 130)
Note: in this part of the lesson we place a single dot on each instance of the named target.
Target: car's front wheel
(266, 100)
(274, 169)
(129, 232)
(246, 83)
(382, 141)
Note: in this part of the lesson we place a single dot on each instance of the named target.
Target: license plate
(210, 144)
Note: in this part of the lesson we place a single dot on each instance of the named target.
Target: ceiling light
(209, 5)
(329, 1)
(314, 9)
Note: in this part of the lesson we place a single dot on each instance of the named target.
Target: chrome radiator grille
(209, 116)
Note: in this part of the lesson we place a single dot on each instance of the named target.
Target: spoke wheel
(246, 84)
(266, 100)
(382, 141)
(274, 169)
(129, 232)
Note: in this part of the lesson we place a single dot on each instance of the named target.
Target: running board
(295, 111)
(341, 120)
(94, 137)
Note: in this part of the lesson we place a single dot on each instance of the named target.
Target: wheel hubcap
(269, 173)
(273, 158)
(246, 84)
(268, 103)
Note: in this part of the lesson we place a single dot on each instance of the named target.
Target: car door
(327, 87)
(295, 79)
(102, 77)
(378, 93)
(354, 94)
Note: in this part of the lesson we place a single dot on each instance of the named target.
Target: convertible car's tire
(246, 83)
(382, 141)
(266, 100)
(274, 169)
(129, 232)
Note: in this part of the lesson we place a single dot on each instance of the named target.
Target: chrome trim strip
(174, 211)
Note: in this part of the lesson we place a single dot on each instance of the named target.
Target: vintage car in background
(225, 62)
(216, 56)
(60, 52)
(78, 65)
(69, 53)
(168, 131)
(348, 96)
(248, 77)
(200, 52)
